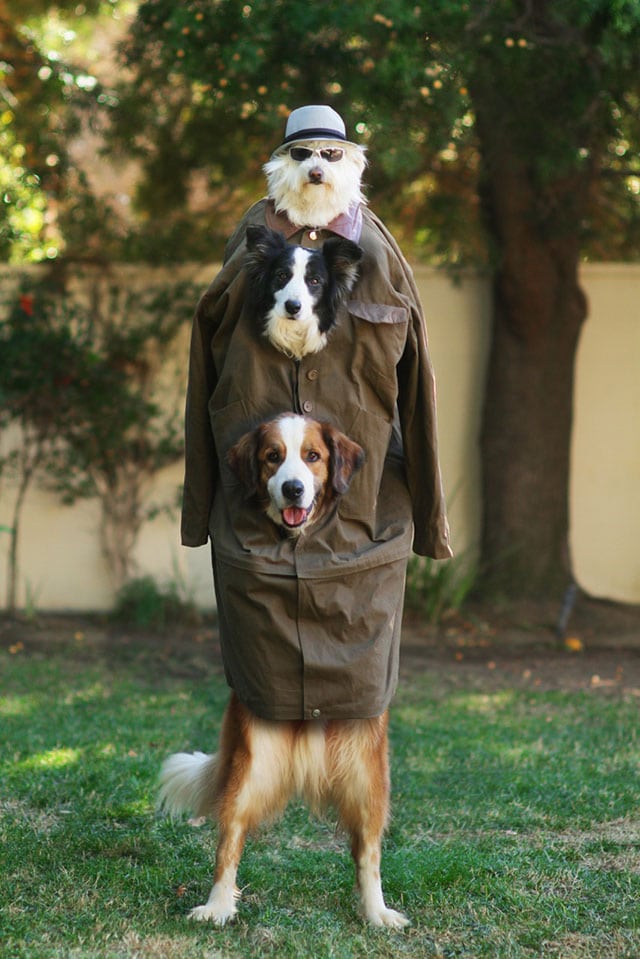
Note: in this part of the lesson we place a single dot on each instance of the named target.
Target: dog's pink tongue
(293, 515)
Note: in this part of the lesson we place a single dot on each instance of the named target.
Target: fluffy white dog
(315, 181)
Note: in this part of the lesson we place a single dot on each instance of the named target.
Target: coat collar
(347, 225)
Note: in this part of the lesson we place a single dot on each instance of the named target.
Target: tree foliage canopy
(205, 87)
(213, 82)
(45, 101)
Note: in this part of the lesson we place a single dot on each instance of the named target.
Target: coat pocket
(378, 312)
(379, 339)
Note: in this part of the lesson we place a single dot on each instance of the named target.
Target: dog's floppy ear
(342, 258)
(243, 460)
(346, 457)
(263, 246)
(263, 243)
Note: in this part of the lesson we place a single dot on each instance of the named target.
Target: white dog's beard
(316, 204)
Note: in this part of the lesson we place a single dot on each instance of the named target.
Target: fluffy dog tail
(188, 784)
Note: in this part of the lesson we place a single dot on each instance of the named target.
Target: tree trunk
(538, 313)
(119, 528)
(28, 462)
(12, 565)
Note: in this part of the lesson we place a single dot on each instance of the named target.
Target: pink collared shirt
(347, 225)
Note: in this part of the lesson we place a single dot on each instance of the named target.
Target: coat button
(315, 714)
(307, 406)
(312, 375)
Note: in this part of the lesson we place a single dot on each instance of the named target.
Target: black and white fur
(314, 192)
(295, 293)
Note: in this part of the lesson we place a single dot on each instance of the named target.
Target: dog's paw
(388, 918)
(219, 909)
(212, 913)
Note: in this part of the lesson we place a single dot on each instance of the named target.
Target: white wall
(61, 567)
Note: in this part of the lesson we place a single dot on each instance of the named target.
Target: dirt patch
(485, 647)
(521, 644)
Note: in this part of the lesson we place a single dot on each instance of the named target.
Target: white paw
(217, 913)
(387, 917)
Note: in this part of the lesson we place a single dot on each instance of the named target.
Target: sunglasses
(330, 154)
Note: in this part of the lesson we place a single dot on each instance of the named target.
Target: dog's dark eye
(314, 281)
(273, 456)
(313, 456)
(281, 277)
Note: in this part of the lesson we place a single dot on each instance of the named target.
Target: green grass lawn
(515, 831)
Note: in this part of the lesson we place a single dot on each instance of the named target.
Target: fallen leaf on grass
(574, 644)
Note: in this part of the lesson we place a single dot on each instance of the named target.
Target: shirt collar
(347, 225)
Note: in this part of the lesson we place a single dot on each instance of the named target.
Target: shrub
(437, 587)
(143, 603)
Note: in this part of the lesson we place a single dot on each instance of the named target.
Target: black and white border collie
(296, 293)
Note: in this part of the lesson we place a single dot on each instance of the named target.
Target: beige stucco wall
(605, 475)
(61, 567)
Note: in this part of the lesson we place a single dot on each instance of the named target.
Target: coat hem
(295, 570)
(310, 714)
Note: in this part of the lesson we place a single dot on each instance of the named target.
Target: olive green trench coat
(310, 627)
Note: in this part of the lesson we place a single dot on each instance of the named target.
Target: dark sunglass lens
(332, 154)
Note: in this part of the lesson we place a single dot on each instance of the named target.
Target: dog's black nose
(293, 307)
(316, 174)
(292, 490)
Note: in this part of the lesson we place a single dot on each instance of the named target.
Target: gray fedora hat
(316, 122)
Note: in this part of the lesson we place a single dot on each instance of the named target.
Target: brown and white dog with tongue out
(295, 468)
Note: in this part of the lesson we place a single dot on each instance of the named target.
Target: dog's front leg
(221, 904)
(366, 854)
(361, 791)
(254, 785)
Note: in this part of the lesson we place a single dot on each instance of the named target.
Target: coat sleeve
(201, 467)
(417, 413)
(201, 463)
(220, 304)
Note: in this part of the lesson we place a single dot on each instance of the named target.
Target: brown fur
(253, 461)
(261, 764)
